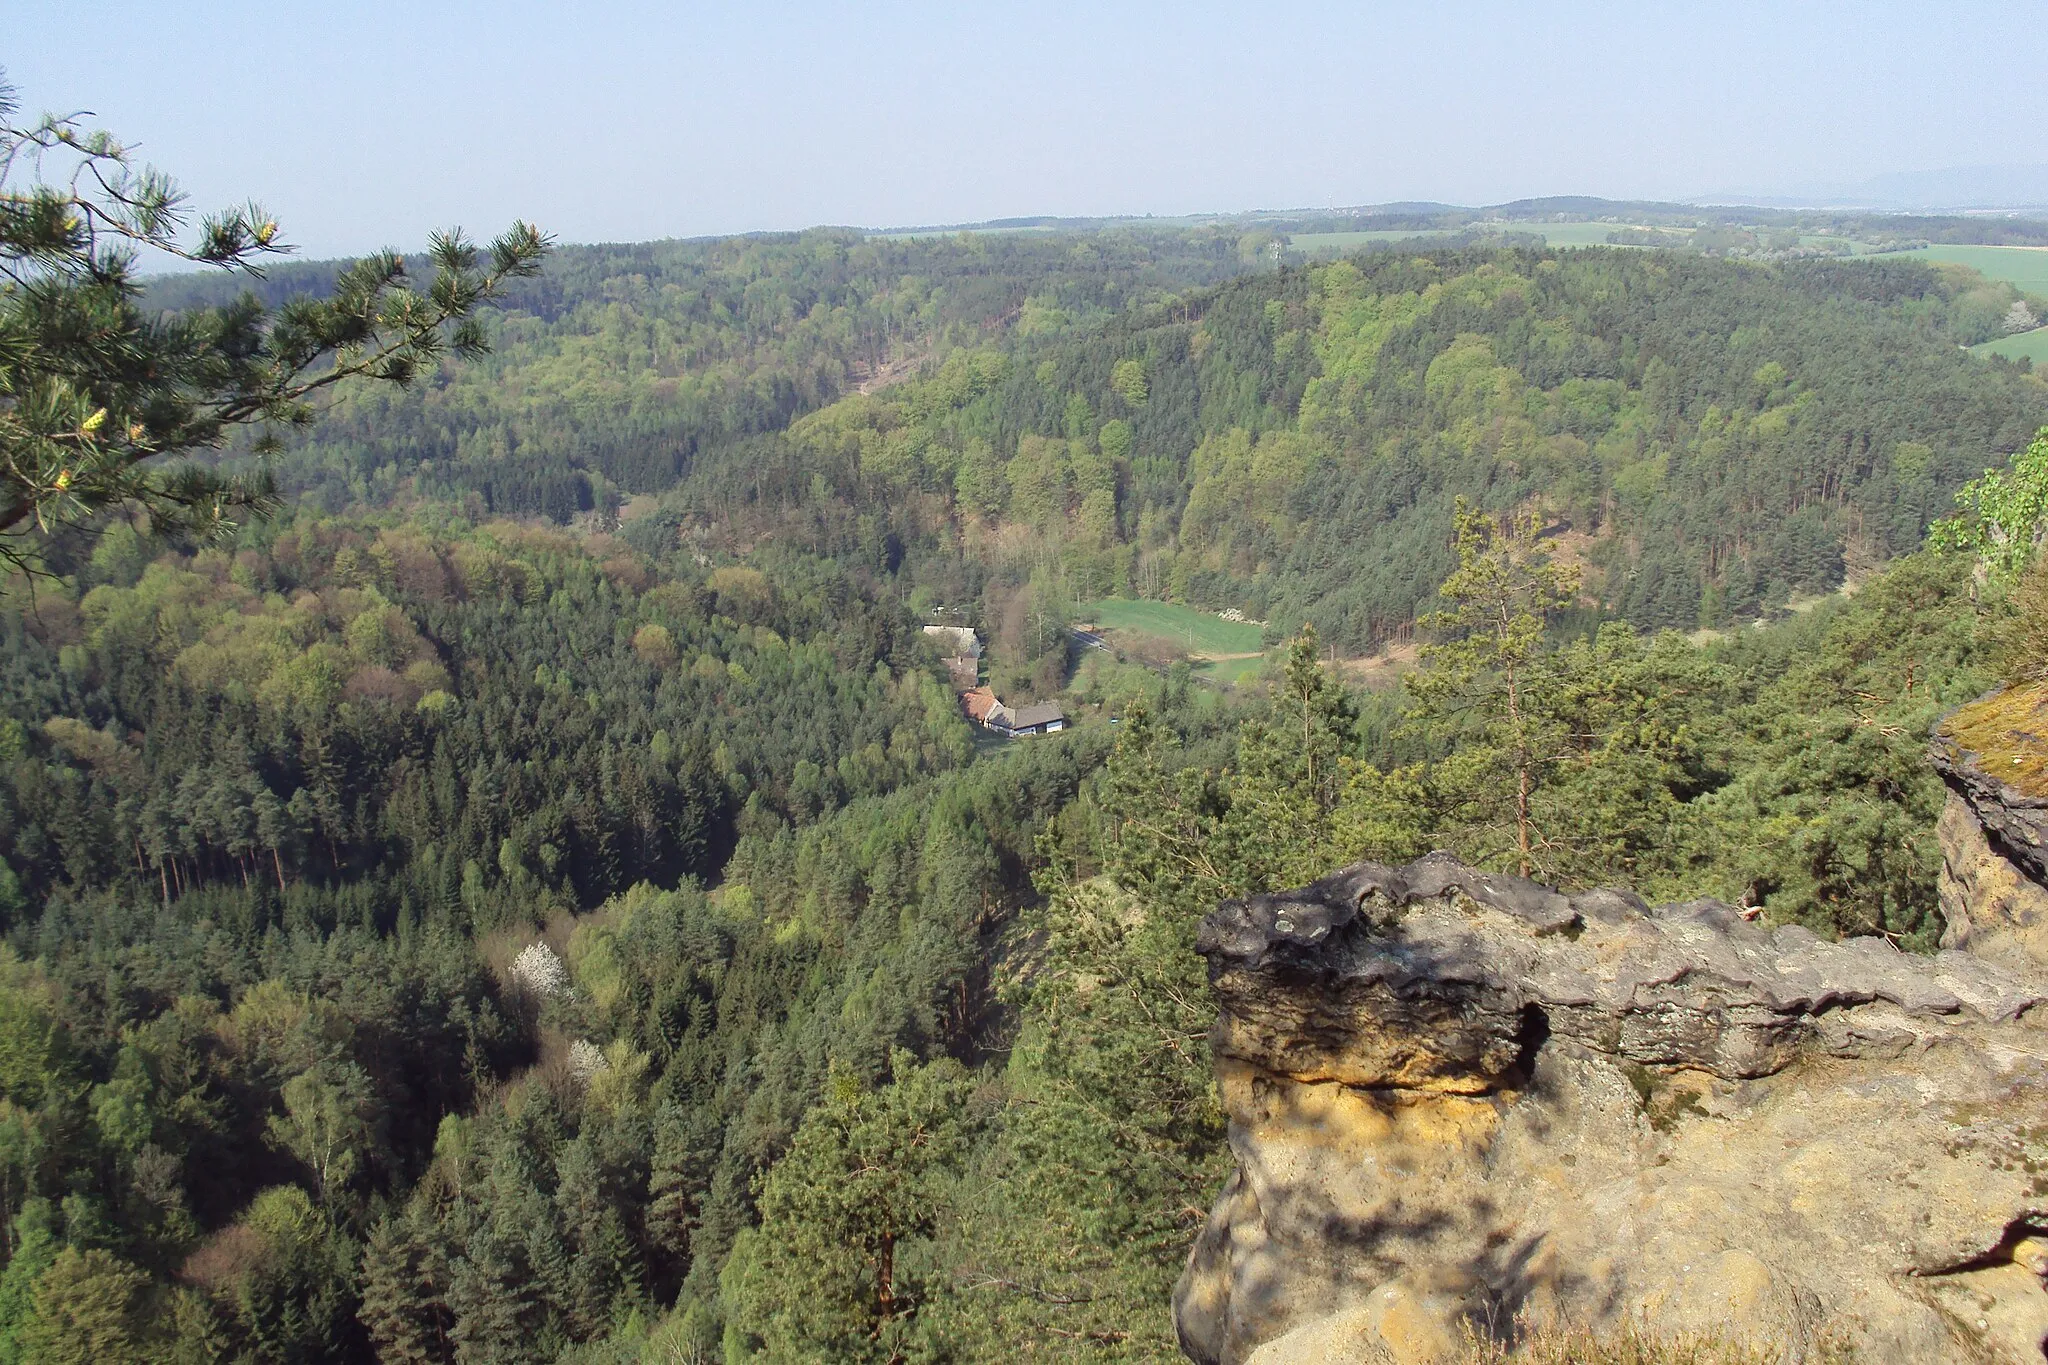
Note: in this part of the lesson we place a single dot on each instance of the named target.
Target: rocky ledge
(1461, 1101)
(1994, 856)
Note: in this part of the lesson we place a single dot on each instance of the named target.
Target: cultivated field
(2024, 266)
(1572, 234)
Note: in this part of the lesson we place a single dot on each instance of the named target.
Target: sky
(369, 124)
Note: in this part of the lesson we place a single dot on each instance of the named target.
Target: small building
(980, 703)
(961, 648)
(985, 710)
(956, 640)
(1039, 718)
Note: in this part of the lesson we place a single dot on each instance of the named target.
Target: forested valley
(534, 895)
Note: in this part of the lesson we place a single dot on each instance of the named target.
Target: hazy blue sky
(364, 124)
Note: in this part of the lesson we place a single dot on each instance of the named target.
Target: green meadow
(2024, 266)
(1197, 632)
(1572, 234)
(1228, 672)
(2026, 346)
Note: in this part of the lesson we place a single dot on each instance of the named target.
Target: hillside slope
(622, 360)
(431, 932)
(1716, 436)
(1112, 413)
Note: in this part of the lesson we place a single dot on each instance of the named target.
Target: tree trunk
(1522, 811)
(885, 1278)
(1521, 771)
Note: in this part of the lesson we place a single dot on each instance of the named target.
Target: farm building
(962, 650)
(1039, 718)
(979, 703)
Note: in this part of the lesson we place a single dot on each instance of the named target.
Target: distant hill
(1163, 415)
(1710, 437)
(1949, 189)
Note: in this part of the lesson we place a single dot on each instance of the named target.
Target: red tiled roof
(979, 703)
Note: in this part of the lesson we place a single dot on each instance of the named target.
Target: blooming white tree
(541, 971)
(586, 1059)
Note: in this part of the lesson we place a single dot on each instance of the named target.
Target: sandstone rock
(1458, 1098)
(2017, 821)
(1994, 856)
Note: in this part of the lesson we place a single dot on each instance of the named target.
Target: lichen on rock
(1459, 1100)
(1994, 835)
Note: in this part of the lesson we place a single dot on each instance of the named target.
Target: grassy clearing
(2028, 345)
(1197, 632)
(1573, 234)
(1229, 672)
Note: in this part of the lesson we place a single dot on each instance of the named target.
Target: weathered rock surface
(1994, 862)
(1459, 1099)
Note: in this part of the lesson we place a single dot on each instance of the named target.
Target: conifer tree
(1477, 675)
(404, 1291)
(1290, 776)
(98, 397)
(91, 1308)
(825, 1277)
(1161, 822)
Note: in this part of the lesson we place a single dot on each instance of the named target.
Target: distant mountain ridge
(1951, 188)
(1957, 193)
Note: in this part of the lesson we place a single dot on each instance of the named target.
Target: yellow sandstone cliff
(1465, 1103)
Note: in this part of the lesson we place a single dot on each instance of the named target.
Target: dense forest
(619, 364)
(1712, 439)
(535, 897)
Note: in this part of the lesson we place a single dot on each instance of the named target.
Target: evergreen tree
(1291, 774)
(91, 1308)
(99, 393)
(404, 1296)
(828, 1274)
(1479, 684)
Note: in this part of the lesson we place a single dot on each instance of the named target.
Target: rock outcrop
(1462, 1101)
(1994, 861)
